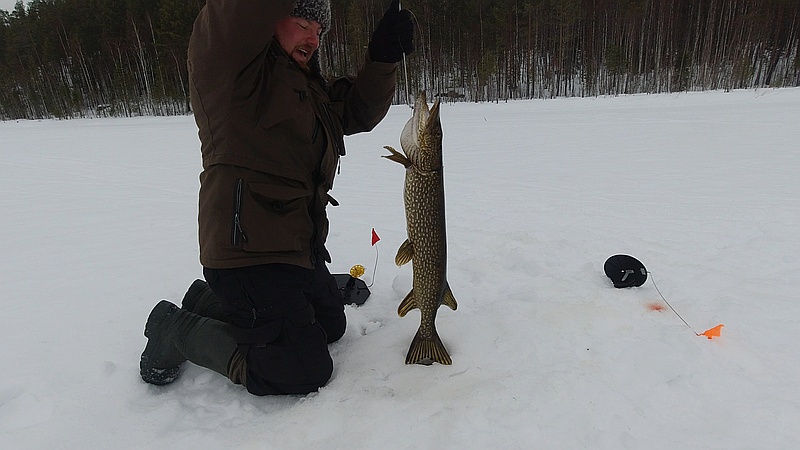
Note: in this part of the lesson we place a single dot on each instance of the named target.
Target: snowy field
(99, 222)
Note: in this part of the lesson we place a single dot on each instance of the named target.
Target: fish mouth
(424, 118)
(420, 116)
(433, 113)
(421, 136)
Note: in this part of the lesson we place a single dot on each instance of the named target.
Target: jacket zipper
(339, 150)
(237, 212)
(315, 133)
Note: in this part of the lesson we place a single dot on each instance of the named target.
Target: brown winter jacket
(271, 136)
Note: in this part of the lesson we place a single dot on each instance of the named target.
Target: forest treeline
(77, 58)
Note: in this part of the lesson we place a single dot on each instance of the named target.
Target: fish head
(421, 138)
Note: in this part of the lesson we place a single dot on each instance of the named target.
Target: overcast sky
(8, 5)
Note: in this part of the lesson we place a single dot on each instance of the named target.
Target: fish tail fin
(428, 350)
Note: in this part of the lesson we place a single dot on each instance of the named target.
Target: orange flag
(375, 237)
(711, 333)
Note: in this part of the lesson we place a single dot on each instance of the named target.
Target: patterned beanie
(317, 10)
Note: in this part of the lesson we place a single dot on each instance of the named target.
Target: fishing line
(405, 71)
(375, 268)
(405, 63)
(652, 278)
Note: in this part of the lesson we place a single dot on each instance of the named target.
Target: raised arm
(367, 97)
(230, 33)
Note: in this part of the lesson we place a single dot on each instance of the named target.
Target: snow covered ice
(99, 223)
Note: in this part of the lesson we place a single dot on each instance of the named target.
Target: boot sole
(148, 371)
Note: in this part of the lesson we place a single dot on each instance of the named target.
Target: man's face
(299, 38)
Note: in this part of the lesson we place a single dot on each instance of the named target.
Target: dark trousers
(284, 316)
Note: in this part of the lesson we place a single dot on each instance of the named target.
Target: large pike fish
(426, 246)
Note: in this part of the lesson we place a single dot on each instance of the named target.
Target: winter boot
(160, 361)
(200, 299)
(177, 335)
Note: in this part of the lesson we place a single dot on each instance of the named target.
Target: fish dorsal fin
(449, 299)
(397, 157)
(407, 304)
(405, 253)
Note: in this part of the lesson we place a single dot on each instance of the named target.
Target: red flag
(375, 237)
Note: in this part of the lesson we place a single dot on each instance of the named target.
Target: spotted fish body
(426, 246)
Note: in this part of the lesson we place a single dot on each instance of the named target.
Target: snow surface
(99, 223)
(8, 5)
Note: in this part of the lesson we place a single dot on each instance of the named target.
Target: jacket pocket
(271, 218)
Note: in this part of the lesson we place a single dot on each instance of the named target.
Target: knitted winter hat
(317, 10)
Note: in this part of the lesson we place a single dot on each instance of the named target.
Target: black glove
(393, 36)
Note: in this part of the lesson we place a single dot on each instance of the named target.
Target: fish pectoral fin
(407, 304)
(449, 299)
(405, 253)
(397, 157)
